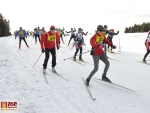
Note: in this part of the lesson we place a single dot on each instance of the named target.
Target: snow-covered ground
(21, 82)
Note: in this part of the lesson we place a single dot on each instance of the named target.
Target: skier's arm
(16, 34)
(43, 40)
(107, 41)
(57, 39)
(116, 33)
(24, 32)
(84, 33)
(74, 30)
(68, 31)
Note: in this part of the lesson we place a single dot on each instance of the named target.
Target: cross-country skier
(22, 35)
(147, 44)
(110, 37)
(61, 33)
(49, 41)
(72, 34)
(98, 53)
(78, 44)
(38, 32)
(105, 33)
(43, 32)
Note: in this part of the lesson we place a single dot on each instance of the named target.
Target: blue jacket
(21, 33)
(38, 31)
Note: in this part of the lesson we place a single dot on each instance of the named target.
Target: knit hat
(100, 28)
(79, 29)
(105, 26)
(52, 28)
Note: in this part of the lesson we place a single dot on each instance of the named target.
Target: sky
(116, 14)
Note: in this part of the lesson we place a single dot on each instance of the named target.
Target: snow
(22, 82)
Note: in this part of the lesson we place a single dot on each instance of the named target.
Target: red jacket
(95, 42)
(147, 44)
(49, 40)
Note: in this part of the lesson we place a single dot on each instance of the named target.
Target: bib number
(51, 38)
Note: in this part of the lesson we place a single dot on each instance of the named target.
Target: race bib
(51, 38)
(104, 33)
(99, 39)
(20, 32)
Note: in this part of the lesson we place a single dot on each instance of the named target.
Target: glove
(43, 50)
(117, 32)
(57, 47)
(114, 47)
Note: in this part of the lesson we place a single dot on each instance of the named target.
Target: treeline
(145, 27)
(4, 26)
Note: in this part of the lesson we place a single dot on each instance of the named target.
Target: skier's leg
(53, 53)
(39, 38)
(80, 56)
(46, 58)
(35, 38)
(148, 51)
(20, 41)
(62, 38)
(77, 49)
(69, 40)
(96, 65)
(25, 41)
(105, 60)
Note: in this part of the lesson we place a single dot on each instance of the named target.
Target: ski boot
(44, 70)
(74, 59)
(144, 61)
(53, 70)
(27, 46)
(87, 81)
(19, 47)
(106, 79)
(80, 59)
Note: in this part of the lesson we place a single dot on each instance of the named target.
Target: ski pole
(37, 60)
(81, 54)
(119, 44)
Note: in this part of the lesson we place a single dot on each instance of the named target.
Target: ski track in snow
(22, 82)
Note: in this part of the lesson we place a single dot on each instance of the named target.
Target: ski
(88, 90)
(113, 59)
(78, 62)
(45, 78)
(143, 62)
(59, 75)
(115, 84)
(85, 62)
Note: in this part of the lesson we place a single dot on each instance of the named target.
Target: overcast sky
(117, 14)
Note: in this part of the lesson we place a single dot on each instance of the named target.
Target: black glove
(43, 50)
(117, 32)
(57, 47)
(114, 47)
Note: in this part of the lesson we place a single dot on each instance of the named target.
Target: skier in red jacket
(98, 54)
(49, 41)
(147, 44)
